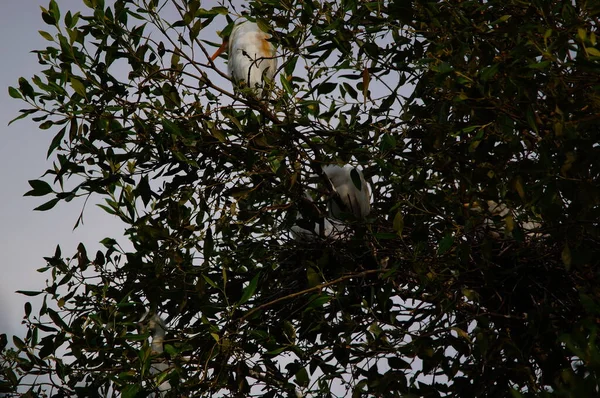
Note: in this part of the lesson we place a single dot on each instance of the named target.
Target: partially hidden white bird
(157, 327)
(251, 56)
(332, 228)
(354, 196)
(529, 227)
(353, 191)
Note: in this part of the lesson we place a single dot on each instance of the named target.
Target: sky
(26, 235)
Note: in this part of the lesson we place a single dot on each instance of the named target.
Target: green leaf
(470, 294)
(388, 142)
(289, 331)
(516, 394)
(10, 375)
(531, 120)
(130, 391)
(46, 125)
(249, 290)
(356, 179)
(488, 72)
(387, 103)
(290, 66)
(171, 127)
(398, 223)
(398, 363)
(145, 192)
(46, 35)
(24, 114)
(503, 18)
(39, 188)
(78, 86)
(326, 88)
(540, 65)
(318, 301)
(350, 90)
(14, 93)
(48, 205)
(57, 319)
(210, 281)
(220, 10)
(593, 52)
(286, 84)
(47, 347)
(18, 343)
(29, 293)
(56, 141)
(313, 276)
(277, 351)
(26, 88)
(302, 378)
(46, 17)
(208, 245)
(54, 11)
(445, 244)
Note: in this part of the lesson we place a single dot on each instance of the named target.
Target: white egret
(157, 327)
(353, 190)
(251, 57)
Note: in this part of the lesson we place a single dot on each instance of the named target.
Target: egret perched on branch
(157, 327)
(353, 191)
(251, 57)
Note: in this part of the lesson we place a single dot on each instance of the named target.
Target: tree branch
(309, 290)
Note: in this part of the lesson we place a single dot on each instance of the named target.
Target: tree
(476, 274)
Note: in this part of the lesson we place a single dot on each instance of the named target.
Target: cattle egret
(157, 327)
(350, 185)
(251, 57)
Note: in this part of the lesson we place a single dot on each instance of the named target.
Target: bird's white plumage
(332, 229)
(157, 327)
(497, 211)
(350, 184)
(251, 55)
(357, 199)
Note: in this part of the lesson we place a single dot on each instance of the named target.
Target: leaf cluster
(476, 274)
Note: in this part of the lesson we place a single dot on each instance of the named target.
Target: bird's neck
(157, 343)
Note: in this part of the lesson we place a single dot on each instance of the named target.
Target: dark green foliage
(476, 274)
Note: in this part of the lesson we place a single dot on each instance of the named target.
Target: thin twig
(309, 290)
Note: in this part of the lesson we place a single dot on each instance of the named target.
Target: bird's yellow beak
(220, 50)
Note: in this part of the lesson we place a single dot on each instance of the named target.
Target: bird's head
(220, 49)
(226, 35)
(242, 27)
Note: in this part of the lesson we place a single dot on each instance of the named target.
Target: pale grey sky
(27, 236)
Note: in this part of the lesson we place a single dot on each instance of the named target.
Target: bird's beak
(220, 50)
